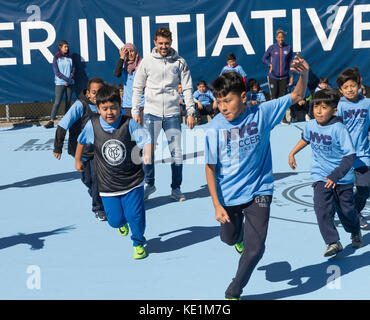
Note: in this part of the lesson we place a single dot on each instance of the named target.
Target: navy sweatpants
(362, 184)
(327, 201)
(128, 208)
(90, 181)
(256, 214)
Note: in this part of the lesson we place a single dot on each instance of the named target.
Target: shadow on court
(194, 235)
(59, 177)
(35, 240)
(317, 274)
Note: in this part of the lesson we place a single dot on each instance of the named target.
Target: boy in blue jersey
(255, 95)
(204, 99)
(355, 112)
(233, 66)
(333, 155)
(118, 141)
(74, 121)
(239, 167)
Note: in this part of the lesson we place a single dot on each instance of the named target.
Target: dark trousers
(256, 214)
(362, 184)
(278, 88)
(59, 92)
(90, 181)
(207, 110)
(327, 201)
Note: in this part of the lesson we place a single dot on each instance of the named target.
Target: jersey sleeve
(139, 134)
(87, 134)
(305, 133)
(74, 113)
(274, 110)
(211, 147)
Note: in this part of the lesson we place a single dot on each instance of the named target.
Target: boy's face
(254, 89)
(232, 105)
(179, 88)
(323, 113)
(91, 93)
(163, 45)
(349, 89)
(231, 63)
(323, 85)
(201, 87)
(109, 111)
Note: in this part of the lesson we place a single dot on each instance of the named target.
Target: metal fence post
(7, 113)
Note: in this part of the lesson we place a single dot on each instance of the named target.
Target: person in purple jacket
(278, 58)
(64, 80)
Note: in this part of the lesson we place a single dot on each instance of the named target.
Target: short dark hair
(108, 93)
(95, 80)
(328, 96)
(349, 74)
(228, 82)
(230, 56)
(324, 80)
(201, 82)
(163, 32)
(252, 83)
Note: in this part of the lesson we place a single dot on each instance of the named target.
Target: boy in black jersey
(118, 141)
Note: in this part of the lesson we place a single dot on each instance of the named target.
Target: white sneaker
(148, 190)
(177, 195)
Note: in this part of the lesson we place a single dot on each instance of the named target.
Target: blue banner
(331, 35)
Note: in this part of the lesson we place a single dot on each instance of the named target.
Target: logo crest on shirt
(175, 70)
(114, 152)
(276, 52)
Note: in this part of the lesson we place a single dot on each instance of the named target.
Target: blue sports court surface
(53, 247)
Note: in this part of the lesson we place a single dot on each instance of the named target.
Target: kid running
(118, 141)
(332, 159)
(355, 112)
(239, 167)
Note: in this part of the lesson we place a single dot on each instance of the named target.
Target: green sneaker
(239, 247)
(124, 230)
(139, 252)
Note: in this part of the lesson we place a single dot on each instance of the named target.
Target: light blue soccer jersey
(75, 113)
(356, 118)
(329, 145)
(138, 133)
(241, 151)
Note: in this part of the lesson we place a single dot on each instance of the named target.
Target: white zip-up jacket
(160, 77)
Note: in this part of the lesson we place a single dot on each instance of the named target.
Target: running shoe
(100, 215)
(139, 252)
(356, 240)
(363, 222)
(49, 125)
(148, 190)
(239, 247)
(177, 195)
(124, 230)
(333, 249)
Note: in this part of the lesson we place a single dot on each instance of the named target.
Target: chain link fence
(29, 112)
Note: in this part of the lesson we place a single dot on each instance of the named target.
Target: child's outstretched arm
(299, 146)
(221, 214)
(78, 157)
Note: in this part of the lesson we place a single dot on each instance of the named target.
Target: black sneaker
(356, 240)
(333, 249)
(101, 216)
(363, 222)
(49, 125)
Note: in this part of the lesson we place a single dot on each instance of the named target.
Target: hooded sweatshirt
(160, 77)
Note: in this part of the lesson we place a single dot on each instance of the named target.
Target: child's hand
(147, 159)
(200, 106)
(330, 183)
(79, 165)
(292, 162)
(57, 155)
(221, 215)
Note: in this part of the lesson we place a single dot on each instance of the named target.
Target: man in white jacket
(160, 73)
